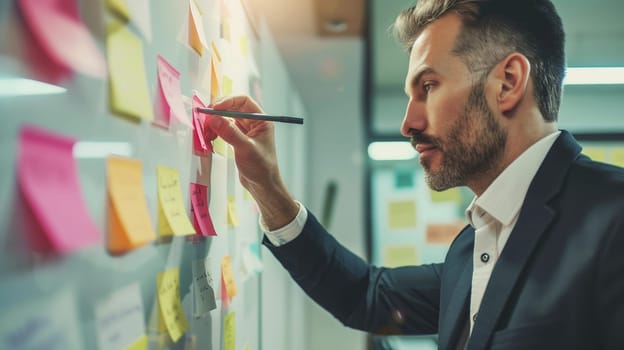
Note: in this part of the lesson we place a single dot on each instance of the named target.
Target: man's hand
(254, 149)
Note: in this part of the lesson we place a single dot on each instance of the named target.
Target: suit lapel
(535, 217)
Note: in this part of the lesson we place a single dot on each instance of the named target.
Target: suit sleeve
(402, 300)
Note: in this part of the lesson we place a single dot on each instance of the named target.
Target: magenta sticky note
(63, 37)
(169, 81)
(200, 211)
(47, 177)
(201, 145)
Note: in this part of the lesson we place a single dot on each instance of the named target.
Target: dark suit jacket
(558, 283)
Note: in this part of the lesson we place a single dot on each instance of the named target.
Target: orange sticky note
(172, 218)
(62, 36)
(130, 225)
(197, 37)
(200, 212)
(215, 90)
(232, 216)
(170, 306)
(47, 176)
(128, 91)
(228, 277)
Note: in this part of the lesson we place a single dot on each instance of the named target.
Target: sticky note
(215, 90)
(119, 7)
(394, 256)
(128, 93)
(48, 322)
(228, 277)
(219, 146)
(203, 291)
(140, 16)
(119, 318)
(48, 178)
(401, 214)
(200, 210)
(62, 36)
(202, 137)
(229, 331)
(130, 225)
(232, 216)
(140, 344)
(227, 86)
(617, 156)
(197, 36)
(450, 195)
(598, 154)
(170, 306)
(171, 93)
(243, 45)
(442, 233)
(172, 218)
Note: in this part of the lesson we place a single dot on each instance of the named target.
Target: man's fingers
(227, 131)
(238, 103)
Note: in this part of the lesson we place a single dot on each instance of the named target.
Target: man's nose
(415, 119)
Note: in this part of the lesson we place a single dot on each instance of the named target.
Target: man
(541, 265)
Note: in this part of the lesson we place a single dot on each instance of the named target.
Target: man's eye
(427, 87)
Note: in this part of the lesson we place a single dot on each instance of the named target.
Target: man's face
(447, 117)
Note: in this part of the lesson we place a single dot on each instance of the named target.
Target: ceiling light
(12, 86)
(594, 76)
(391, 151)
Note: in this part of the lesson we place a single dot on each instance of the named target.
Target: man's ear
(512, 75)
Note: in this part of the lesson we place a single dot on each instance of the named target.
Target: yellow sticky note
(400, 256)
(219, 146)
(197, 38)
(402, 214)
(168, 285)
(130, 225)
(128, 92)
(171, 207)
(450, 195)
(228, 277)
(617, 156)
(215, 51)
(246, 347)
(226, 29)
(227, 86)
(119, 7)
(598, 154)
(215, 90)
(243, 45)
(229, 332)
(139, 344)
(232, 216)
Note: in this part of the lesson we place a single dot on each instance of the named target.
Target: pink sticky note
(169, 81)
(200, 212)
(66, 41)
(201, 146)
(47, 177)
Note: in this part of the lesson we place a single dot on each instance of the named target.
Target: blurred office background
(350, 73)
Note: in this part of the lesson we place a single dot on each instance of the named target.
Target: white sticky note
(140, 14)
(46, 323)
(119, 318)
(203, 288)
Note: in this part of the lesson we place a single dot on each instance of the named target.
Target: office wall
(65, 288)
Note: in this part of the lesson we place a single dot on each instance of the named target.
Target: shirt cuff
(289, 232)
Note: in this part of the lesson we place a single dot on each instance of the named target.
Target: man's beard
(474, 145)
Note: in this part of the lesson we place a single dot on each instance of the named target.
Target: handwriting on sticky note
(200, 211)
(170, 200)
(228, 277)
(203, 290)
(401, 214)
(232, 216)
(63, 36)
(168, 286)
(128, 205)
(119, 318)
(47, 176)
(169, 83)
(129, 94)
(229, 331)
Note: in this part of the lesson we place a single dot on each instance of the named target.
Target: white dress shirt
(493, 215)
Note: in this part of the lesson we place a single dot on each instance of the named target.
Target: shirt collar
(505, 195)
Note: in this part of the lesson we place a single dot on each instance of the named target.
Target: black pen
(255, 116)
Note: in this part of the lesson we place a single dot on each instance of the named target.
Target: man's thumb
(227, 130)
